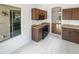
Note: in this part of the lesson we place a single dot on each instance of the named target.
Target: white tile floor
(52, 44)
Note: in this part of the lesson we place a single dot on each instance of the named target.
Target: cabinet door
(75, 15)
(67, 14)
(35, 13)
(65, 34)
(39, 34)
(75, 36)
(45, 14)
(36, 34)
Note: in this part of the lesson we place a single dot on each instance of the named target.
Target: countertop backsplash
(70, 22)
(39, 21)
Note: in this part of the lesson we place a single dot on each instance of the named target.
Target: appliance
(45, 31)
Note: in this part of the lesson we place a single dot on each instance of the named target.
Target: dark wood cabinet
(36, 33)
(67, 14)
(38, 14)
(39, 32)
(65, 34)
(75, 36)
(70, 34)
(75, 15)
(35, 14)
(56, 28)
(71, 14)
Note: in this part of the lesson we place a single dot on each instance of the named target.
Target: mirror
(10, 22)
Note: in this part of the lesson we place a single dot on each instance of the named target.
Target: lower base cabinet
(70, 34)
(65, 33)
(36, 34)
(39, 32)
(75, 36)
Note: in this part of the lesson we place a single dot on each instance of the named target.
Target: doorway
(56, 20)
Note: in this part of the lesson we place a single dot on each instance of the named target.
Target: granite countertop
(70, 26)
(39, 26)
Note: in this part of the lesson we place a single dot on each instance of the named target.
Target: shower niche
(10, 22)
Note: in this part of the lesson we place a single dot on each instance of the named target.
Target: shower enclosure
(10, 22)
(15, 23)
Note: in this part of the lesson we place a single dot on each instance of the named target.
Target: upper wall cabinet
(67, 14)
(38, 14)
(75, 15)
(71, 14)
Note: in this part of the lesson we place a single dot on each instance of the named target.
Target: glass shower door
(15, 28)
